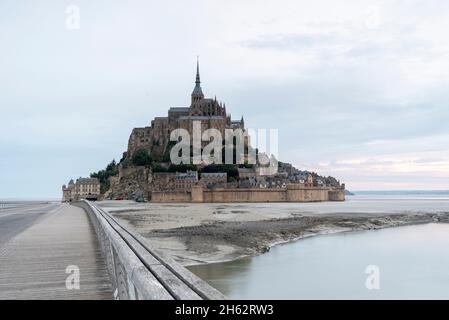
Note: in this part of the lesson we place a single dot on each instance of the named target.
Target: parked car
(141, 199)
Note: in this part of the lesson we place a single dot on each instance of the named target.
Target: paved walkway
(33, 263)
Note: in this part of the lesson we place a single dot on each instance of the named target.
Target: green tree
(141, 158)
(158, 168)
(182, 167)
(103, 175)
(246, 165)
(124, 155)
(166, 156)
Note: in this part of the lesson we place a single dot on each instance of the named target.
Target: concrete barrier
(138, 271)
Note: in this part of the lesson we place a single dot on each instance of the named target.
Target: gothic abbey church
(210, 112)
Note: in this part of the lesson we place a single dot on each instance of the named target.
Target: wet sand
(205, 233)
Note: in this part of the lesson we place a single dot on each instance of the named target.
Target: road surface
(15, 220)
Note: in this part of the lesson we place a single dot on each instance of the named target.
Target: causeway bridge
(80, 251)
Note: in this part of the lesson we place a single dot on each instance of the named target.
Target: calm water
(413, 263)
(378, 203)
(6, 204)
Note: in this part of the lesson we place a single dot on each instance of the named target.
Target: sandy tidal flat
(204, 233)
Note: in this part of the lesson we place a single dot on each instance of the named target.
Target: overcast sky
(358, 89)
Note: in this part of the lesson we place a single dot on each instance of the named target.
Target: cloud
(358, 80)
(291, 41)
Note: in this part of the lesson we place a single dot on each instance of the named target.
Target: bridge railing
(138, 271)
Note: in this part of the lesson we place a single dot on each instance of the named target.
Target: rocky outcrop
(131, 183)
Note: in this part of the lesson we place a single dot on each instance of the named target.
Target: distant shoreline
(16, 200)
(400, 192)
(354, 192)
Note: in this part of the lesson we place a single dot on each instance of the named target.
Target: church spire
(198, 81)
(197, 93)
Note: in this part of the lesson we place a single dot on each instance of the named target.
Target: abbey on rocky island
(210, 112)
(146, 171)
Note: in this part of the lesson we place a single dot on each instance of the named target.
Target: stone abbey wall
(163, 196)
(337, 195)
(290, 194)
(244, 195)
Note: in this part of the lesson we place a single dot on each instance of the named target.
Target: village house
(84, 188)
(214, 179)
(185, 181)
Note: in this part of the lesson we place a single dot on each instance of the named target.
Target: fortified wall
(290, 194)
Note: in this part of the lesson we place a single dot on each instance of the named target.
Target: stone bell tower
(197, 94)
